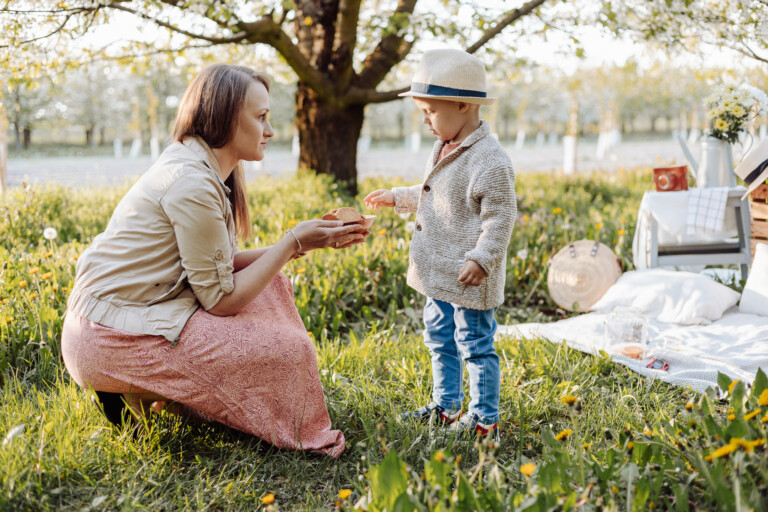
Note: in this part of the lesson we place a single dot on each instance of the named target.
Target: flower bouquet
(731, 108)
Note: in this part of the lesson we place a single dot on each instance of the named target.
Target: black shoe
(111, 405)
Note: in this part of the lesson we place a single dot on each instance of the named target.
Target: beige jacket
(167, 249)
(465, 210)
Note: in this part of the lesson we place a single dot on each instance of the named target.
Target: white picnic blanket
(736, 345)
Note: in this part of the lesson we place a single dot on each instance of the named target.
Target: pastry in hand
(349, 215)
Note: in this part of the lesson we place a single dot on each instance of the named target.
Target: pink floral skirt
(255, 371)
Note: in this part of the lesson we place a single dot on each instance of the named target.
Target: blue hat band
(439, 90)
(751, 177)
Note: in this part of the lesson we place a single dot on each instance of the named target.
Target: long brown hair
(210, 109)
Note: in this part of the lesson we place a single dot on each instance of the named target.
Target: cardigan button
(426, 188)
(418, 227)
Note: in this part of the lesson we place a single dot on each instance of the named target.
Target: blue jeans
(456, 335)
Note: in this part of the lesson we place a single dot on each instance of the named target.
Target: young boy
(465, 210)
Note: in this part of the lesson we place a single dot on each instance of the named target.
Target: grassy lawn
(625, 443)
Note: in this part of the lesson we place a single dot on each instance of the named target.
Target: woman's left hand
(318, 234)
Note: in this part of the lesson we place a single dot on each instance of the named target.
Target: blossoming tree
(341, 51)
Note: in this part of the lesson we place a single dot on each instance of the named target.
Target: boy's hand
(471, 274)
(379, 198)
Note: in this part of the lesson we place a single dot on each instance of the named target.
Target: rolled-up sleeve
(196, 209)
(406, 199)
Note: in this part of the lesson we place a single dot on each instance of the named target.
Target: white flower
(522, 254)
(566, 226)
(50, 233)
(404, 215)
(410, 226)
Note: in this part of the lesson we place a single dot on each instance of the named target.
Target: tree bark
(89, 136)
(325, 151)
(17, 136)
(27, 137)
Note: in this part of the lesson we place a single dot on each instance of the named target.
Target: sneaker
(469, 426)
(424, 414)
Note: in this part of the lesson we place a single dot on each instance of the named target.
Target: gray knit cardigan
(465, 210)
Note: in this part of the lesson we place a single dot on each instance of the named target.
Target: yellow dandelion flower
(733, 385)
(307, 21)
(730, 411)
(526, 218)
(268, 499)
(301, 270)
(598, 226)
(32, 296)
(34, 270)
(458, 459)
(614, 489)
(732, 417)
(47, 275)
(23, 284)
(630, 445)
(55, 287)
(344, 494)
(64, 288)
(723, 451)
(752, 414)
(439, 456)
(689, 406)
(563, 434)
(586, 446)
(8, 320)
(48, 254)
(763, 400)
(648, 432)
(382, 231)
(620, 232)
(528, 469)
(291, 223)
(557, 210)
(569, 399)
(764, 419)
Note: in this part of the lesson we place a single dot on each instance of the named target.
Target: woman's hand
(318, 234)
(379, 198)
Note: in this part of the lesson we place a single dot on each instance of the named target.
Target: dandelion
(557, 210)
(268, 499)
(526, 218)
(344, 494)
(528, 469)
(291, 223)
(763, 400)
(47, 275)
(764, 419)
(630, 445)
(33, 296)
(569, 399)
(48, 254)
(34, 270)
(439, 456)
(732, 417)
(563, 434)
(50, 233)
(620, 232)
(733, 385)
(301, 270)
(410, 226)
(23, 284)
(382, 231)
(307, 21)
(647, 432)
(688, 406)
(723, 451)
(522, 254)
(9, 320)
(586, 446)
(598, 226)
(614, 489)
(752, 414)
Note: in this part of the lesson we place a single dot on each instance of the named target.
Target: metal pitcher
(716, 168)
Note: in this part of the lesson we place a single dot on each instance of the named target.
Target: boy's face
(444, 118)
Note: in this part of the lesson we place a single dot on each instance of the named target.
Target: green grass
(58, 453)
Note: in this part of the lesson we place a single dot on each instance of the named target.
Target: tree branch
(390, 51)
(510, 18)
(744, 49)
(55, 31)
(359, 96)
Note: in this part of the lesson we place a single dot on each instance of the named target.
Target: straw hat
(753, 168)
(580, 273)
(451, 75)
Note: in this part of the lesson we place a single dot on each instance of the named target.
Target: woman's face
(253, 128)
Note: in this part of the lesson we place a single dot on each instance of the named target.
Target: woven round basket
(580, 273)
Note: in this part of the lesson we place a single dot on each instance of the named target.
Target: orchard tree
(341, 51)
(741, 25)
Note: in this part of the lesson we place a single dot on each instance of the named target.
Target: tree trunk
(332, 150)
(17, 138)
(89, 136)
(27, 137)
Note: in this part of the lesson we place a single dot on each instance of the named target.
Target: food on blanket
(633, 351)
(580, 274)
(349, 215)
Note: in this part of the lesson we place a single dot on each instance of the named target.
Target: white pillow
(754, 298)
(670, 296)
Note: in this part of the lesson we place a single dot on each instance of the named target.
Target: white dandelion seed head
(50, 233)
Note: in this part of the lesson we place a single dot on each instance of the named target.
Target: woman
(164, 306)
